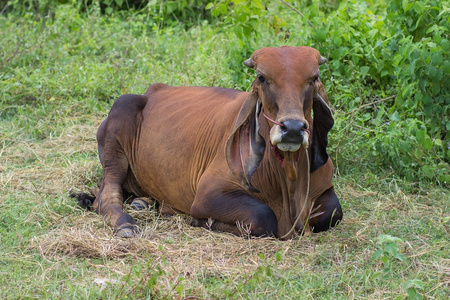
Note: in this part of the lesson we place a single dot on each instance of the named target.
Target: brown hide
(189, 146)
(183, 137)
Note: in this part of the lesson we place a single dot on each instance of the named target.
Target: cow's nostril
(292, 130)
(293, 125)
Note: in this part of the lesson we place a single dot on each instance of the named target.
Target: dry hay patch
(188, 250)
(50, 166)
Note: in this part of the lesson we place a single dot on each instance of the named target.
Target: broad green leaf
(436, 88)
(238, 31)
(248, 31)
(412, 293)
(321, 35)
(439, 74)
(436, 58)
(337, 41)
(427, 142)
(222, 8)
(407, 5)
(342, 6)
(418, 7)
(431, 71)
(257, 4)
(278, 255)
(377, 254)
(416, 283)
(427, 100)
(445, 45)
(418, 96)
(395, 116)
(391, 248)
(386, 238)
(399, 256)
(420, 135)
(428, 171)
(364, 71)
(447, 67)
(405, 146)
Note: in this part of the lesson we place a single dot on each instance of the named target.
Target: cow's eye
(314, 80)
(261, 78)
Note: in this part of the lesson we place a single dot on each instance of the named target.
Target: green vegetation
(62, 64)
(388, 70)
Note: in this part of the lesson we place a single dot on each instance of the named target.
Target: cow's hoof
(141, 203)
(125, 233)
(126, 227)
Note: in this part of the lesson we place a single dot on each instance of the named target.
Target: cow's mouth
(288, 146)
(292, 146)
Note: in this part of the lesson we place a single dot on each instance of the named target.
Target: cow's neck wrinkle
(284, 196)
(284, 190)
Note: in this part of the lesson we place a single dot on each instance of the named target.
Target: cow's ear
(322, 124)
(245, 147)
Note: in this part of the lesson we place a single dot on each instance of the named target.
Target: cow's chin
(288, 147)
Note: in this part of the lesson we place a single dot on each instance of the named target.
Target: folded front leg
(233, 211)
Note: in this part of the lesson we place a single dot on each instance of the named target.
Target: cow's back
(183, 131)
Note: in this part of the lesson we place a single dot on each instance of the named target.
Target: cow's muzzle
(289, 135)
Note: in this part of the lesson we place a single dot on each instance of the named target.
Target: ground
(63, 250)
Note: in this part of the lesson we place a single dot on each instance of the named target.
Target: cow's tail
(84, 200)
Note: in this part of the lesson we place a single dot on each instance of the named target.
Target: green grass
(58, 79)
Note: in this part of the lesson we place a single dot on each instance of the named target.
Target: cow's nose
(292, 131)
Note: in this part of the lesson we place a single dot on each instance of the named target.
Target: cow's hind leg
(327, 211)
(236, 212)
(115, 137)
(109, 201)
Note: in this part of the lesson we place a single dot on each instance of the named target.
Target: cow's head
(287, 88)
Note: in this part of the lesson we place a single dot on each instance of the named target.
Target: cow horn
(322, 60)
(249, 63)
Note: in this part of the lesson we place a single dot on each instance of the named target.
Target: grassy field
(58, 79)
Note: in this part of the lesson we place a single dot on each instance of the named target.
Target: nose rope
(273, 121)
(282, 125)
(281, 159)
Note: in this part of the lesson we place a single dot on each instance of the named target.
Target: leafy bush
(168, 12)
(396, 52)
(388, 65)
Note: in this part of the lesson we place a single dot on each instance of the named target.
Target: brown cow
(242, 162)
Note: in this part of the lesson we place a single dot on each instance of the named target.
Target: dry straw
(187, 249)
